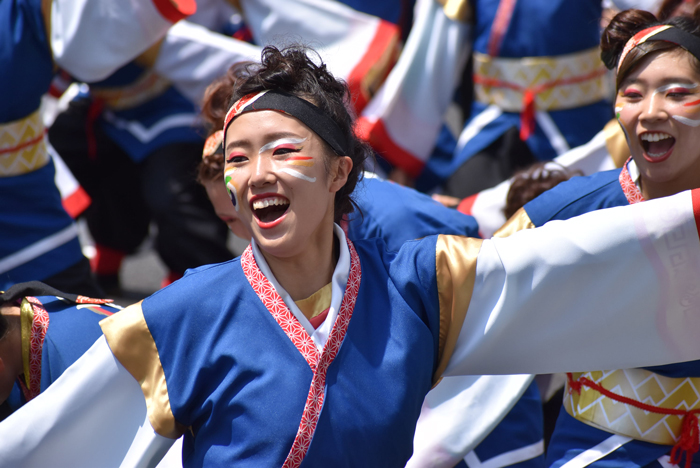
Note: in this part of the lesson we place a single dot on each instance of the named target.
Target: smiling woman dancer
(658, 108)
(225, 357)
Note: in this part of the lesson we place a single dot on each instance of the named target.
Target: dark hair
(4, 324)
(293, 71)
(626, 24)
(214, 108)
(530, 183)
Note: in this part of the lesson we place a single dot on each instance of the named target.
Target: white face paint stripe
(281, 141)
(298, 175)
(675, 85)
(686, 120)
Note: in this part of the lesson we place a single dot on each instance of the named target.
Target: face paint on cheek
(618, 109)
(686, 120)
(305, 161)
(297, 174)
(231, 187)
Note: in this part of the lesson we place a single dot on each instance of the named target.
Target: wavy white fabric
(611, 289)
(339, 281)
(213, 14)
(39, 248)
(192, 56)
(148, 449)
(589, 158)
(459, 413)
(601, 450)
(340, 34)
(413, 99)
(648, 5)
(87, 418)
(65, 180)
(147, 134)
(508, 458)
(550, 129)
(91, 39)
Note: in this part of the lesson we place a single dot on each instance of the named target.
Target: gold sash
(558, 82)
(641, 385)
(22, 146)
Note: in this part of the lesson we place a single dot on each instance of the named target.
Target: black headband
(667, 33)
(303, 110)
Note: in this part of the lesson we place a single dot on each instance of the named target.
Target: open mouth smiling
(657, 145)
(269, 210)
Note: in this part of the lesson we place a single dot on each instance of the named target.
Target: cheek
(297, 167)
(232, 190)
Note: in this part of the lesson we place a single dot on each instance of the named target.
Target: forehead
(260, 127)
(664, 66)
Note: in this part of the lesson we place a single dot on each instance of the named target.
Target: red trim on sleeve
(175, 10)
(76, 202)
(377, 136)
(696, 208)
(466, 205)
(383, 38)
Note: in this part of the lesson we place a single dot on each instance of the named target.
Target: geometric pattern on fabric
(40, 325)
(305, 345)
(22, 146)
(643, 386)
(560, 82)
(629, 187)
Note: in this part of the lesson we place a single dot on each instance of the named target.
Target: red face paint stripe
(694, 103)
(299, 158)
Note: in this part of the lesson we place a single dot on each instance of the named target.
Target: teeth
(265, 202)
(654, 136)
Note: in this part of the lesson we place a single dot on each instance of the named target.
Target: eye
(678, 92)
(630, 93)
(285, 149)
(234, 158)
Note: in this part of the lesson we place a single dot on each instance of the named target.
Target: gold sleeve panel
(518, 222)
(457, 10)
(455, 264)
(132, 344)
(616, 143)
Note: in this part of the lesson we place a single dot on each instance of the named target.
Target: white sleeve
(91, 39)
(612, 289)
(192, 56)
(89, 417)
(459, 413)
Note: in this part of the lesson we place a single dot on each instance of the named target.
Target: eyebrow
(246, 143)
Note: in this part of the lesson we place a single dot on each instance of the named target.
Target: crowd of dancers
(397, 166)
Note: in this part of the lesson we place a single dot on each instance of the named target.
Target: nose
(654, 108)
(263, 173)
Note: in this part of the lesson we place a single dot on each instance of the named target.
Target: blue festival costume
(615, 444)
(249, 381)
(537, 74)
(39, 239)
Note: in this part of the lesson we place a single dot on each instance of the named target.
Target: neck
(303, 275)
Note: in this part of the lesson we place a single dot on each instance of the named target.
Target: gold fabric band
(22, 146)
(518, 222)
(644, 386)
(519, 74)
(131, 343)
(455, 264)
(148, 86)
(26, 319)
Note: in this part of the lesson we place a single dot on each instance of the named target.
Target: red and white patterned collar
(317, 361)
(33, 335)
(628, 184)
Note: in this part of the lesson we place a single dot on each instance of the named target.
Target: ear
(339, 174)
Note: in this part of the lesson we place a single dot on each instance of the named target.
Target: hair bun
(621, 28)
